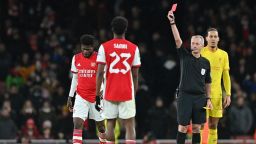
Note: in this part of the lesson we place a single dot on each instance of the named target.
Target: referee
(193, 93)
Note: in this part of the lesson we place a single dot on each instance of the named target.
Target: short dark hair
(211, 29)
(119, 25)
(87, 39)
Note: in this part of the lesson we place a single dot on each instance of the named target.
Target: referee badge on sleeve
(203, 71)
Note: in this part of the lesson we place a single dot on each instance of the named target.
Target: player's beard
(87, 55)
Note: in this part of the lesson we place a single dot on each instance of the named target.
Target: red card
(174, 6)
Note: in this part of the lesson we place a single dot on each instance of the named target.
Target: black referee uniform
(191, 96)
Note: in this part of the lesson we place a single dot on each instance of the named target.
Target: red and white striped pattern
(77, 136)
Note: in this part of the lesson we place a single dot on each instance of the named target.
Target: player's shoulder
(119, 41)
(94, 54)
(205, 60)
(204, 49)
(77, 55)
(222, 52)
(131, 43)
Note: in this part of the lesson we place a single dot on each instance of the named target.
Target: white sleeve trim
(73, 85)
(136, 60)
(73, 66)
(101, 58)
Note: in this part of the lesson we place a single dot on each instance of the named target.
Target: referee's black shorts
(190, 108)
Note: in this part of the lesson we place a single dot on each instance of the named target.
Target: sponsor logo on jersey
(93, 64)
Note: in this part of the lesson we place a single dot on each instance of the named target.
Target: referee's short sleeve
(208, 78)
(182, 52)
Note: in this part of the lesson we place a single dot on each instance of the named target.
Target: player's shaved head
(212, 38)
(119, 25)
(211, 30)
(87, 40)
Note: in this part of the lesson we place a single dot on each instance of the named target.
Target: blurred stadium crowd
(38, 39)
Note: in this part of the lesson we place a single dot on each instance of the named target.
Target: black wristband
(208, 98)
(172, 23)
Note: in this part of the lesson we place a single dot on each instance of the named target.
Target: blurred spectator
(8, 129)
(14, 79)
(158, 119)
(30, 130)
(241, 118)
(47, 130)
(59, 98)
(16, 98)
(173, 126)
(253, 107)
(250, 83)
(143, 103)
(149, 139)
(64, 125)
(46, 112)
(27, 112)
(5, 62)
(224, 125)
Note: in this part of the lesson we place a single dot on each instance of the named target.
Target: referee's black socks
(196, 138)
(181, 137)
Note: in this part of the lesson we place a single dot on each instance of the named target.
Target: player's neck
(212, 49)
(119, 36)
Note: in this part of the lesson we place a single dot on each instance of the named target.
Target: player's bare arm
(208, 95)
(174, 28)
(135, 76)
(99, 80)
(227, 86)
(70, 103)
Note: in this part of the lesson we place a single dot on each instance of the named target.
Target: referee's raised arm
(175, 31)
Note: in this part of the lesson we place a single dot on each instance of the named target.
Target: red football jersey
(120, 56)
(86, 71)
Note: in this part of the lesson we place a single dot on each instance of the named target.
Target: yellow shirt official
(219, 62)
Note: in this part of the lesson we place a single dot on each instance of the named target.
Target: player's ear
(218, 38)
(206, 38)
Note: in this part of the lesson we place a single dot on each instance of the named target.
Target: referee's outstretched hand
(171, 17)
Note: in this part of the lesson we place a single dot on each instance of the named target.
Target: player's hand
(227, 101)
(97, 105)
(70, 104)
(171, 17)
(209, 104)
